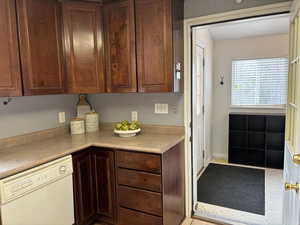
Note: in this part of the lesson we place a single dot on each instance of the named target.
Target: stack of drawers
(139, 188)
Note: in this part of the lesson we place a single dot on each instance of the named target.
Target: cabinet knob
(289, 187)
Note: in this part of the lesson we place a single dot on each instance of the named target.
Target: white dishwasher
(39, 196)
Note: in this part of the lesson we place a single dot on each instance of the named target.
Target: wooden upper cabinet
(84, 47)
(120, 46)
(10, 78)
(154, 45)
(41, 46)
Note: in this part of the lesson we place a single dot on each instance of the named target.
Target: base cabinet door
(84, 192)
(104, 175)
(10, 76)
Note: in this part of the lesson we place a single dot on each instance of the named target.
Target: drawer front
(145, 201)
(139, 179)
(139, 161)
(127, 216)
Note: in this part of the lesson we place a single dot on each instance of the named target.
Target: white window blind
(259, 82)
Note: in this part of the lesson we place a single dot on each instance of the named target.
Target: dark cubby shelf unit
(257, 140)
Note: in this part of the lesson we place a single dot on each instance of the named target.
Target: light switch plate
(134, 116)
(161, 108)
(61, 117)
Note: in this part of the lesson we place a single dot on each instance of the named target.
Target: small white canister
(92, 122)
(77, 126)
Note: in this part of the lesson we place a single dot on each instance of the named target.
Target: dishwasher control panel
(25, 182)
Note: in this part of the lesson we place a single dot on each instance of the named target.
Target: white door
(197, 112)
(291, 204)
(291, 210)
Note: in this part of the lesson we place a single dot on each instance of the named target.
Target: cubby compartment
(275, 141)
(238, 139)
(238, 155)
(238, 122)
(275, 159)
(275, 124)
(256, 157)
(256, 140)
(256, 123)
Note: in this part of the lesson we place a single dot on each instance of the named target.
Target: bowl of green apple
(126, 129)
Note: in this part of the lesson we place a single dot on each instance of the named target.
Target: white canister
(92, 122)
(77, 126)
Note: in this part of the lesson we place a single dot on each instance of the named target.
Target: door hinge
(203, 62)
(203, 154)
(203, 109)
(191, 138)
(191, 124)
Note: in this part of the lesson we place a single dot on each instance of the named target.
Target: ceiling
(250, 27)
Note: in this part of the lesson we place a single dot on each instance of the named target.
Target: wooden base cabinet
(150, 187)
(121, 187)
(104, 177)
(84, 190)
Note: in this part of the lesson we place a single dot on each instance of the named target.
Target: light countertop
(18, 158)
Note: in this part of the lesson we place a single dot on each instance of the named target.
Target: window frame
(275, 106)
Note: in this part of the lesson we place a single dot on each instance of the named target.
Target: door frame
(206, 20)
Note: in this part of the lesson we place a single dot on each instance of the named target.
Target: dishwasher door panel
(50, 205)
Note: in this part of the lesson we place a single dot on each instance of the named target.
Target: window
(259, 82)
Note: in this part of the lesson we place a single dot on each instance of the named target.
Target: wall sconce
(222, 80)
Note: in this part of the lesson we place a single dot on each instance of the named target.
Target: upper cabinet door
(154, 45)
(10, 78)
(84, 47)
(120, 46)
(41, 46)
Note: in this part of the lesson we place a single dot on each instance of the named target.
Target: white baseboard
(220, 156)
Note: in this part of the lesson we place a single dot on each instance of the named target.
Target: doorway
(243, 173)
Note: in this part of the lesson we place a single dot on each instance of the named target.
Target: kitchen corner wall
(224, 52)
(33, 113)
(117, 107)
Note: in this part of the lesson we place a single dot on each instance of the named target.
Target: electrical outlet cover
(61, 117)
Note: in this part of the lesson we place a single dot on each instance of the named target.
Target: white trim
(188, 23)
(280, 107)
(242, 13)
(294, 8)
(221, 156)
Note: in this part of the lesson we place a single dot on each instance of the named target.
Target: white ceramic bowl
(129, 133)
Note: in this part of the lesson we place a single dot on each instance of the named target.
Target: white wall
(117, 107)
(224, 52)
(34, 113)
(203, 37)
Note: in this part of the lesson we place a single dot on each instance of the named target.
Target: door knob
(296, 159)
(289, 187)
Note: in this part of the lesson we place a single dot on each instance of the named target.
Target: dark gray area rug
(233, 187)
